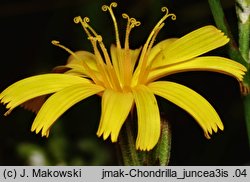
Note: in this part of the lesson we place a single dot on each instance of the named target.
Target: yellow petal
(158, 48)
(77, 65)
(115, 109)
(117, 56)
(191, 102)
(191, 45)
(35, 86)
(85, 56)
(61, 101)
(205, 63)
(148, 118)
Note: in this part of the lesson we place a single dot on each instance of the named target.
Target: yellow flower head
(125, 77)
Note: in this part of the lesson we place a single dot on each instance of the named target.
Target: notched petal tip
(106, 135)
(114, 138)
(220, 126)
(37, 130)
(143, 149)
(207, 135)
(8, 112)
(225, 39)
(44, 132)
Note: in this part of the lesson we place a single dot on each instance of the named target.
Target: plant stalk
(240, 54)
(159, 155)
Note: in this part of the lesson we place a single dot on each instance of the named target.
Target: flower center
(118, 73)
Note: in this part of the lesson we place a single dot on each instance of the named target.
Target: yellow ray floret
(191, 45)
(204, 63)
(35, 86)
(191, 102)
(148, 118)
(115, 109)
(61, 101)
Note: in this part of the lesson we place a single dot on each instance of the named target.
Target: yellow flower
(128, 77)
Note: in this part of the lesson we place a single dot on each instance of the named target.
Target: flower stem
(240, 54)
(221, 23)
(162, 150)
(127, 145)
(247, 115)
(243, 13)
(158, 156)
